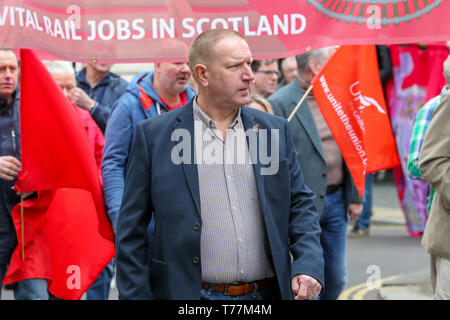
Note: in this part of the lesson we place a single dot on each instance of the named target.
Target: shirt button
(195, 260)
(240, 240)
(324, 174)
(196, 226)
(322, 196)
(242, 271)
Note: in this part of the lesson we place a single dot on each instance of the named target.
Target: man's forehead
(169, 65)
(64, 76)
(8, 58)
(269, 63)
(235, 49)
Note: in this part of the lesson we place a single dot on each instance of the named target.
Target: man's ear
(314, 66)
(201, 72)
(158, 66)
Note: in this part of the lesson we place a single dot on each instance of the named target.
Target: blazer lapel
(186, 121)
(304, 116)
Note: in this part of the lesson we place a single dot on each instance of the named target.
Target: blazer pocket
(158, 279)
(275, 164)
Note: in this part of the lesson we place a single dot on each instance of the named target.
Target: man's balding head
(202, 50)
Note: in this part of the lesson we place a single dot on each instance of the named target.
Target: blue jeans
(334, 224)
(31, 289)
(7, 244)
(3, 268)
(210, 294)
(28, 289)
(99, 290)
(363, 221)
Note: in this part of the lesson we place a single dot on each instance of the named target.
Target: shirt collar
(82, 79)
(206, 120)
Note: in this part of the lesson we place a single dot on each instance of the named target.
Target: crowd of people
(215, 229)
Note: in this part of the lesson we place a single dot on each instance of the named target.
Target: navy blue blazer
(169, 266)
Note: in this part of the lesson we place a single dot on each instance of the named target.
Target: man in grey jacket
(323, 166)
(434, 164)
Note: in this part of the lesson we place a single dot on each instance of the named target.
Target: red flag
(68, 237)
(349, 94)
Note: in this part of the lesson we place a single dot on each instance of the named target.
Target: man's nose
(248, 74)
(8, 73)
(274, 76)
(66, 92)
(185, 68)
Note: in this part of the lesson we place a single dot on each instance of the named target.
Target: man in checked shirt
(421, 123)
(233, 217)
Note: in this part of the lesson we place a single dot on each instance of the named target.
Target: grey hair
(447, 70)
(303, 60)
(283, 62)
(60, 67)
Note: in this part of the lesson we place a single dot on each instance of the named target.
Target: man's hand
(305, 287)
(9, 168)
(355, 209)
(81, 99)
(24, 194)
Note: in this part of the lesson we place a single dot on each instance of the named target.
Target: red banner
(417, 77)
(161, 30)
(349, 94)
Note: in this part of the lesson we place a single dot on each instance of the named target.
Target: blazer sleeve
(304, 228)
(434, 157)
(132, 250)
(353, 196)
(102, 111)
(100, 114)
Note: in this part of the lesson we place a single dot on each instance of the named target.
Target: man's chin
(6, 92)
(179, 88)
(245, 102)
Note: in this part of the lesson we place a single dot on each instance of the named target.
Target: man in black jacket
(97, 90)
(28, 289)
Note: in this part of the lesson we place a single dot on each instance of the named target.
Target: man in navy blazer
(166, 182)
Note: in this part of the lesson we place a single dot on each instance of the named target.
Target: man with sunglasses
(266, 77)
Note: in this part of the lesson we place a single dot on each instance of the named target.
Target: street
(388, 252)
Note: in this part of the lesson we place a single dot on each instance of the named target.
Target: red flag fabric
(349, 94)
(68, 237)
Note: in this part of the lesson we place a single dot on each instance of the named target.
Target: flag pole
(300, 102)
(22, 231)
